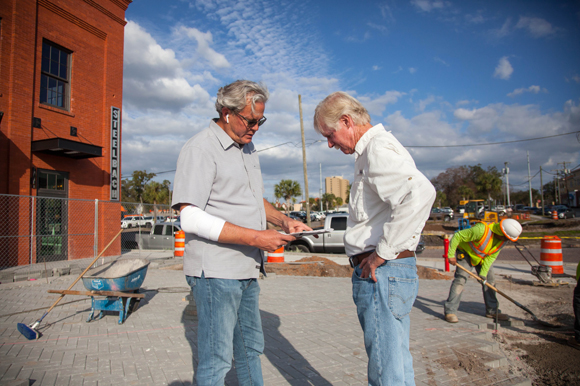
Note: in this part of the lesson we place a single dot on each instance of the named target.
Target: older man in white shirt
(390, 201)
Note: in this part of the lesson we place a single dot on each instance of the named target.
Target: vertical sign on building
(115, 162)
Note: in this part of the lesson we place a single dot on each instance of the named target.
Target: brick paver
(312, 335)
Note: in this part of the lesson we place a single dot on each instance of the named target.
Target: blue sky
(434, 72)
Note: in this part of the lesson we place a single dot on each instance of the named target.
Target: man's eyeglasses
(253, 122)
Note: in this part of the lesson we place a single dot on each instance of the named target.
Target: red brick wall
(94, 31)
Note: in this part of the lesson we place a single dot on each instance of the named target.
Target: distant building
(60, 123)
(337, 186)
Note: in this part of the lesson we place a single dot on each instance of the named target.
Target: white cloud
(376, 106)
(535, 26)
(503, 31)
(204, 40)
(439, 60)
(376, 68)
(504, 69)
(531, 89)
(412, 70)
(429, 5)
(424, 103)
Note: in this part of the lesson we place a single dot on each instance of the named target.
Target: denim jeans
(454, 298)
(229, 325)
(383, 311)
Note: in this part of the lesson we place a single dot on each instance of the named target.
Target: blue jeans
(457, 286)
(229, 325)
(383, 311)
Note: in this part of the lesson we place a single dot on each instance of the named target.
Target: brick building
(61, 67)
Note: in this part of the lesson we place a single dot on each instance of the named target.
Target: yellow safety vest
(484, 247)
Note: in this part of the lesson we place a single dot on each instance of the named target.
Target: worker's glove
(482, 280)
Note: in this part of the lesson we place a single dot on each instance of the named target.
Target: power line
(503, 142)
(441, 146)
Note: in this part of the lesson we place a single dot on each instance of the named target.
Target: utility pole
(304, 163)
(506, 170)
(564, 172)
(529, 181)
(542, 190)
(320, 192)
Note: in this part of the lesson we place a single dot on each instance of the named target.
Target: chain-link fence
(40, 230)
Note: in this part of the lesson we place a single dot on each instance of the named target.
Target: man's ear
(347, 121)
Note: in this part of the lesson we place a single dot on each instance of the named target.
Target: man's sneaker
(451, 318)
(572, 342)
(500, 316)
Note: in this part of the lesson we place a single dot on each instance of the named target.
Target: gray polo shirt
(224, 179)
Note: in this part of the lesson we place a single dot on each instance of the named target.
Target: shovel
(30, 332)
(508, 298)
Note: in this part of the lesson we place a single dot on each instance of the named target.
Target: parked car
(437, 214)
(133, 222)
(447, 210)
(161, 236)
(149, 221)
(566, 213)
(300, 215)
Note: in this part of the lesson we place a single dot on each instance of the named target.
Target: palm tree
(287, 189)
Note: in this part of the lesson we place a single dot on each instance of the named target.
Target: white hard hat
(511, 229)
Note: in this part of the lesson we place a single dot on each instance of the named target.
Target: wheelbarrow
(119, 282)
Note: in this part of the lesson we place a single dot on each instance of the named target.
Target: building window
(55, 76)
(51, 181)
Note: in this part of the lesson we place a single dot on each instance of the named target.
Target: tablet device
(308, 233)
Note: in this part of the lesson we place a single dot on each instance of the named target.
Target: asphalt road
(509, 253)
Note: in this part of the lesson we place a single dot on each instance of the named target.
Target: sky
(438, 74)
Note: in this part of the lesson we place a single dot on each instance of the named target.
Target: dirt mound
(310, 266)
(555, 364)
(323, 267)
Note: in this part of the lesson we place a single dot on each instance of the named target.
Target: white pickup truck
(327, 242)
(161, 236)
(332, 242)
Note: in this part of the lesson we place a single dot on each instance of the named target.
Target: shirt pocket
(358, 202)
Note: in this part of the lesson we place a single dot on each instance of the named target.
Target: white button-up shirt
(390, 199)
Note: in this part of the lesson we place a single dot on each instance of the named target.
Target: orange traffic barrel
(551, 254)
(179, 243)
(277, 256)
(554, 215)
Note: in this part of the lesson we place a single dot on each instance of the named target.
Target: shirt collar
(362, 143)
(225, 140)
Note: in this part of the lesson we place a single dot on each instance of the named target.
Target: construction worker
(478, 247)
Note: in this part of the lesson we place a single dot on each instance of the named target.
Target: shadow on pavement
(279, 351)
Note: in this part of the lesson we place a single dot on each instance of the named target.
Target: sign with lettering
(115, 156)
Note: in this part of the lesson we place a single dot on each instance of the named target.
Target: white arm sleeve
(200, 223)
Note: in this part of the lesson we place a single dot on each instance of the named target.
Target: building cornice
(73, 19)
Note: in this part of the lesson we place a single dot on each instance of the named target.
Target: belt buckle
(351, 261)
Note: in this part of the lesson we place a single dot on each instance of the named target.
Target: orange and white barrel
(277, 256)
(179, 243)
(551, 254)
(554, 215)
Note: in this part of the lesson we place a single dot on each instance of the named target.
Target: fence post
(96, 242)
(31, 232)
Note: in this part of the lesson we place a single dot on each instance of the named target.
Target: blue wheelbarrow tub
(124, 275)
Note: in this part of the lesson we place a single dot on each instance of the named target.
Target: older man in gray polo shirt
(219, 190)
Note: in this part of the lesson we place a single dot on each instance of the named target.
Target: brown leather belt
(359, 257)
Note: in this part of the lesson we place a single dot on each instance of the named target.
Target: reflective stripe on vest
(484, 247)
